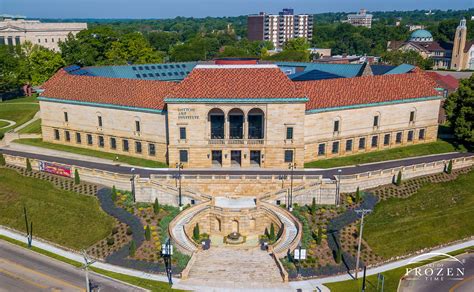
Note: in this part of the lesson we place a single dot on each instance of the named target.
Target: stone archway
(217, 225)
(252, 224)
(235, 226)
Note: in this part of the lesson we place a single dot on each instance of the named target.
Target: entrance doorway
(235, 226)
(255, 158)
(236, 158)
(217, 158)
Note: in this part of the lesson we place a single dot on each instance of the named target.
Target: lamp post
(132, 181)
(166, 252)
(291, 166)
(179, 166)
(338, 189)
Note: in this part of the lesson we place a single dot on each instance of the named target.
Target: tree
(9, 69)
(398, 57)
(449, 169)
(460, 111)
(77, 179)
(156, 206)
(358, 196)
(319, 239)
(313, 206)
(43, 63)
(338, 255)
(272, 232)
(398, 182)
(132, 248)
(28, 165)
(132, 48)
(296, 44)
(147, 232)
(2, 160)
(196, 232)
(267, 234)
(113, 194)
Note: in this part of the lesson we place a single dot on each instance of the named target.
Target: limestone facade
(48, 35)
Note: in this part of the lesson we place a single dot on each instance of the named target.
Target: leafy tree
(285, 55)
(162, 40)
(296, 44)
(358, 196)
(449, 169)
(266, 233)
(132, 48)
(132, 249)
(196, 232)
(147, 232)
(43, 63)
(28, 165)
(460, 111)
(9, 64)
(113, 194)
(77, 178)
(319, 239)
(2, 160)
(398, 57)
(156, 206)
(338, 255)
(398, 182)
(313, 206)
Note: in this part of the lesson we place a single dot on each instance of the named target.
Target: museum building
(239, 113)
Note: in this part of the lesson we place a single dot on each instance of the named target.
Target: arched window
(256, 123)
(236, 124)
(217, 119)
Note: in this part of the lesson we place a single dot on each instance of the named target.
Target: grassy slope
(392, 278)
(390, 154)
(64, 217)
(436, 214)
(33, 128)
(20, 113)
(83, 151)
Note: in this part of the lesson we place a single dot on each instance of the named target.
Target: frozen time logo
(448, 269)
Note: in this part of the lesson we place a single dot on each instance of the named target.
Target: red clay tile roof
(266, 82)
(331, 93)
(445, 81)
(116, 91)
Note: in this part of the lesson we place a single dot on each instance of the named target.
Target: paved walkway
(233, 268)
(36, 117)
(10, 123)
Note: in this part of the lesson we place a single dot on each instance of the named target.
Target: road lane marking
(461, 283)
(41, 274)
(17, 277)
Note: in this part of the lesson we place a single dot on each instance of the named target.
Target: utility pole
(87, 263)
(338, 187)
(291, 166)
(132, 180)
(363, 212)
(29, 229)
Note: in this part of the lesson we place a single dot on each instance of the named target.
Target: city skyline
(145, 9)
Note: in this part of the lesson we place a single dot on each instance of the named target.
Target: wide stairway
(221, 268)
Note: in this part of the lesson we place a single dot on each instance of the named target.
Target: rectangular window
(10, 41)
(151, 149)
(321, 149)
(99, 120)
(289, 133)
(182, 133)
(2, 40)
(421, 134)
(78, 138)
(125, 145)
(410, 135)
(56, 134)
(349, 145)
(288, 156)
(113, 143)
(101, 141)
(386, 139)
(17, 40)
(183, 155)
(89, 139)
(138, 147)
(361, 143)
(335, 147)
(398, 138)
(66, 117)
(412, 116)
(376, 121)
(375, 141)
(137, 126)
(67, 136)
(336, 126)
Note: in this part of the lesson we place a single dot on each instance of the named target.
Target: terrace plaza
(239, 113)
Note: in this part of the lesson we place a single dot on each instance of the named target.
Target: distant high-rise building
(279, 28)
(360, 19)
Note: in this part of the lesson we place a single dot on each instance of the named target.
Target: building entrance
(236, 158)
(216, 158)
(255, 158)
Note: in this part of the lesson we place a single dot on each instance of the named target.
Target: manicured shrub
(110, 241)
(113, 194)
(267, 234)
(272, 232)
(398, 182)
(196, 232)
(358, 196)
(320, 235)
(338, 256)
(114, 230)
(77, 179)
(147, 232)
(132, 248)
(313, 206)
(28, 165)
(156, 206)
(449, 169)
(2, 160)
(129, 230)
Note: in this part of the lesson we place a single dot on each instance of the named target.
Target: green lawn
(392, 278)
(437, 147)
(33, 128)
(24, 99)
(3, 124)
(20, 113)
(63, 217)
(436, 214)
(84, 151)
(144, 283)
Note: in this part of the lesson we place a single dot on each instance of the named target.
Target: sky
(203, 8)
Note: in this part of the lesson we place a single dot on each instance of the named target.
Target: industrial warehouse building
(239, 113)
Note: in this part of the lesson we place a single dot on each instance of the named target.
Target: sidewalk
(79, 258)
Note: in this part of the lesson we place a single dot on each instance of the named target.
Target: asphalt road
(23, 270)
(440, 281)
(330, 173)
